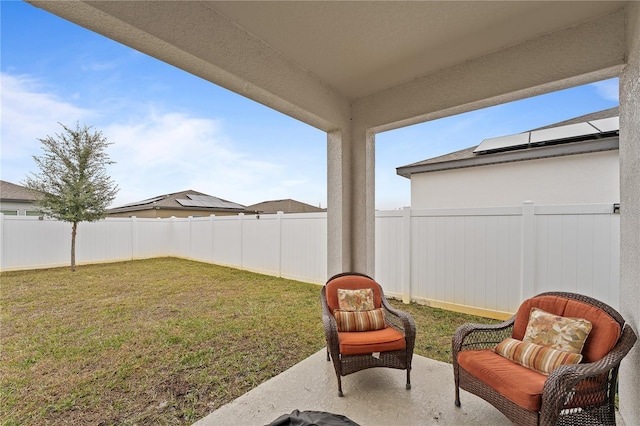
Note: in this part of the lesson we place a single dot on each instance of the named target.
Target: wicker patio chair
(352, 351)
(577, 394)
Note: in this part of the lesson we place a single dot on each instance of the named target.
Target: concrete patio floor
(371, 397)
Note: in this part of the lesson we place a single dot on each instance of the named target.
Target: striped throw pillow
(536, 357)
(360, 320)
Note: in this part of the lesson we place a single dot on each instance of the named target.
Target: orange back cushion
(605, 330)
(351, 282)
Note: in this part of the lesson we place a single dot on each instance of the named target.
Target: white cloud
(29, 113)
(608, 89)
(170, 152)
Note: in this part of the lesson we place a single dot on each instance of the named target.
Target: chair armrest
(400, 320)
(480, 336)
(330, 325)
(561, 384)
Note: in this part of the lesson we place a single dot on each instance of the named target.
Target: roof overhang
(384, 64)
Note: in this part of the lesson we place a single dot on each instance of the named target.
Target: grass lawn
(160, 341)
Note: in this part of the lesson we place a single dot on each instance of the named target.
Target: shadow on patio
(375, 396)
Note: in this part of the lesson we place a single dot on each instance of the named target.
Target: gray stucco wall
(630, 214)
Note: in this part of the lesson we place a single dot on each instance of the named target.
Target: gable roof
(468, 158)
(183, 200)
(17, 193)
(285, 206)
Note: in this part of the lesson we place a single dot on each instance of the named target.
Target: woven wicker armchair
(352, 351)
(577, 394)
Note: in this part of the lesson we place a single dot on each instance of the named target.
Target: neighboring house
(16, 200)
(285, 206)
(179, 204)
(572, 162)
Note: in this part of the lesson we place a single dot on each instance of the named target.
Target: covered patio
(372, 397)
(355, 69)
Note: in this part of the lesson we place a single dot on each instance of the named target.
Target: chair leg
(328, 357)
(340, 386)
(408, 378)
(456, 381)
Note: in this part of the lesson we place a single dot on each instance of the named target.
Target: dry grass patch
(160, 341)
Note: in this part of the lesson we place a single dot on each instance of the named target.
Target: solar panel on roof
(147, 201)
(570, 131)
(605, 125)
(503, 142)
(551, 135)
(208, 201)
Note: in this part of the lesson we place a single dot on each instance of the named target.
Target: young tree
(73, 178)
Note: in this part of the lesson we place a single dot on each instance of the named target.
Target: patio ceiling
(360, 49)
(317, 60)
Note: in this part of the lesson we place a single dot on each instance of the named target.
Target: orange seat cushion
(519, 384)
(365, 342)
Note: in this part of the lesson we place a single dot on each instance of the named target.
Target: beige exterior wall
(574, 179)
(22, 209)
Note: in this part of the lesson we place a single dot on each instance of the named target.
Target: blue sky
(172, 131)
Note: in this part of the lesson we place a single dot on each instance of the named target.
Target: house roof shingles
(285, 206)
(12, 192)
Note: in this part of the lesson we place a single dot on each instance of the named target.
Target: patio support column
(630, 213)
(350, 193)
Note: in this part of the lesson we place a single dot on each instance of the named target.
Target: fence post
(212, 218)
(279, 242)
(172, 238)
(189, 238)
(241, 218)
(1, 241)
(134, 236)
(406, 255)
(527, 280)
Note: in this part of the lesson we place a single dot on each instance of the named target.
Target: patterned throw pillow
(535, 357)
(355, 300)
(360, 320)
(554, 331)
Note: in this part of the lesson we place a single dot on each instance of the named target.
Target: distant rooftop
(184, 200)
(12, 192)
(285, 206)
(593, 132)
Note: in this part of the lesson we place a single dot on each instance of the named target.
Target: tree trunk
(74, 230)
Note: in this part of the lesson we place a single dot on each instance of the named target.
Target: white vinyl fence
(487, 261)
(482, 261)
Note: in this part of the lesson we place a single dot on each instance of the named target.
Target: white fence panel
(578, 251)
(104, 241)
(180, 237)
(389, 252)
(151, 238)
(29, 243)
(466, 258)
(304, 247)
(261, 244)
(201, 239)
(227, 241)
